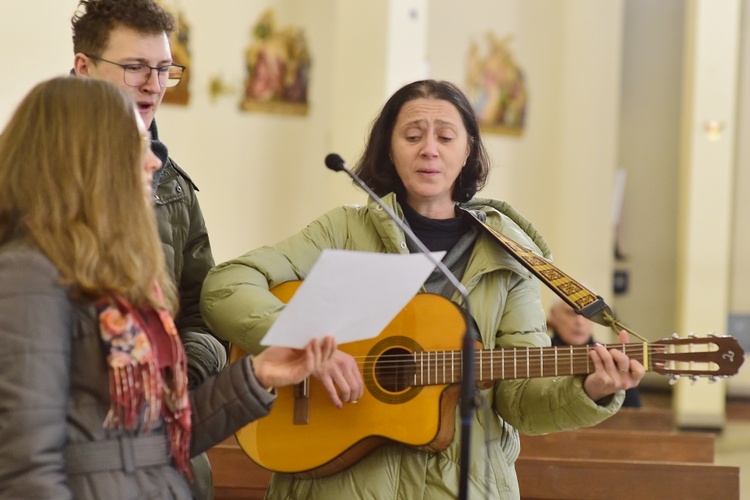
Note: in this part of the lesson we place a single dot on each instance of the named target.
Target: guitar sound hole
(394, 370)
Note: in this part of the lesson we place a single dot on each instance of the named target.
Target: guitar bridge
(302, 402)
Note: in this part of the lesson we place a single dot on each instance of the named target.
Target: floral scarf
(147, 372)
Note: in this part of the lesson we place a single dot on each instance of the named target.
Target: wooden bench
(607, 444)
(640, 419)
(575, 475)
(582, 479)
(235, 475)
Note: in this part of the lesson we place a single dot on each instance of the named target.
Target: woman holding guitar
(425, 157)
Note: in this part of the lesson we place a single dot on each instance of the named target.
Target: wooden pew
(235, 475)
(606, 444)
(582, 479)
(567, 477)
(640, 419)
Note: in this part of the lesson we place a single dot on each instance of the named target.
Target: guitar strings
(443, 367)
(517, 353)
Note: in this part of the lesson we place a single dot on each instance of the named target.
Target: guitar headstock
(715, 356)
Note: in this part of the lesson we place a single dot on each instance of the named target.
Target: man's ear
(81, 64)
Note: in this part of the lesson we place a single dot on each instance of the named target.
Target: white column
(584, 182)
(379, 47)
(710, 99)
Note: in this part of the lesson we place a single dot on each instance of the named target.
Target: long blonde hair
(71, 160)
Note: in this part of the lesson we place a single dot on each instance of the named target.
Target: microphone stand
(337, 164)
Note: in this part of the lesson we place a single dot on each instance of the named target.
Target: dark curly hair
(94, 20)
(378, 171)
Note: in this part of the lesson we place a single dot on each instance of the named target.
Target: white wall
(560, 172)
(37, 46)
(740, 291)
(262, 176)
(649, 145)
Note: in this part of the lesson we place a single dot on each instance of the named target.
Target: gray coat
(54, 395)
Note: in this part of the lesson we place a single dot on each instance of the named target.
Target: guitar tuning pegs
(673, 379)
(714, 379)
(712, 334)
(691, 335)
(693, 379)
(675, 336)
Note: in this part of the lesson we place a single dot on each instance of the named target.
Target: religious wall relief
(496, 84)
(278, 68)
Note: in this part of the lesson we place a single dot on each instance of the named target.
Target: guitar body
(333, 439)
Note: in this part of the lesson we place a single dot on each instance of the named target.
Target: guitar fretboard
(445, 367)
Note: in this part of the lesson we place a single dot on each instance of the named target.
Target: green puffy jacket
(506, 304)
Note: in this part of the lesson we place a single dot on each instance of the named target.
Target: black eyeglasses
(136, 75)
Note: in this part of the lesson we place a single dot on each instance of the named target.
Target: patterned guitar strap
(581, 299)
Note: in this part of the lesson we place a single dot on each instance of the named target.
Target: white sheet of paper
(350, 295)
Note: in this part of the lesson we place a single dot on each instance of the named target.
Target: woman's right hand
(281, 366)
(341, 377)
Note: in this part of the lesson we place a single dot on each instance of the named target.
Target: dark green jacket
(187, 249)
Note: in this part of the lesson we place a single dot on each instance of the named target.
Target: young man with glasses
(126, 42)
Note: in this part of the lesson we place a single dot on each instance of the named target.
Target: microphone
(337, 164)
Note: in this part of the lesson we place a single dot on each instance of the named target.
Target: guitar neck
(445, 367)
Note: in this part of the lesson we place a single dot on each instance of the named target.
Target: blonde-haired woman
(93, 399)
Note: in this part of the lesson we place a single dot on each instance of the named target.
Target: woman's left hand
(614, 371)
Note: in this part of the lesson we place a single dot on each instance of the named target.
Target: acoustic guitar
(412, 372)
